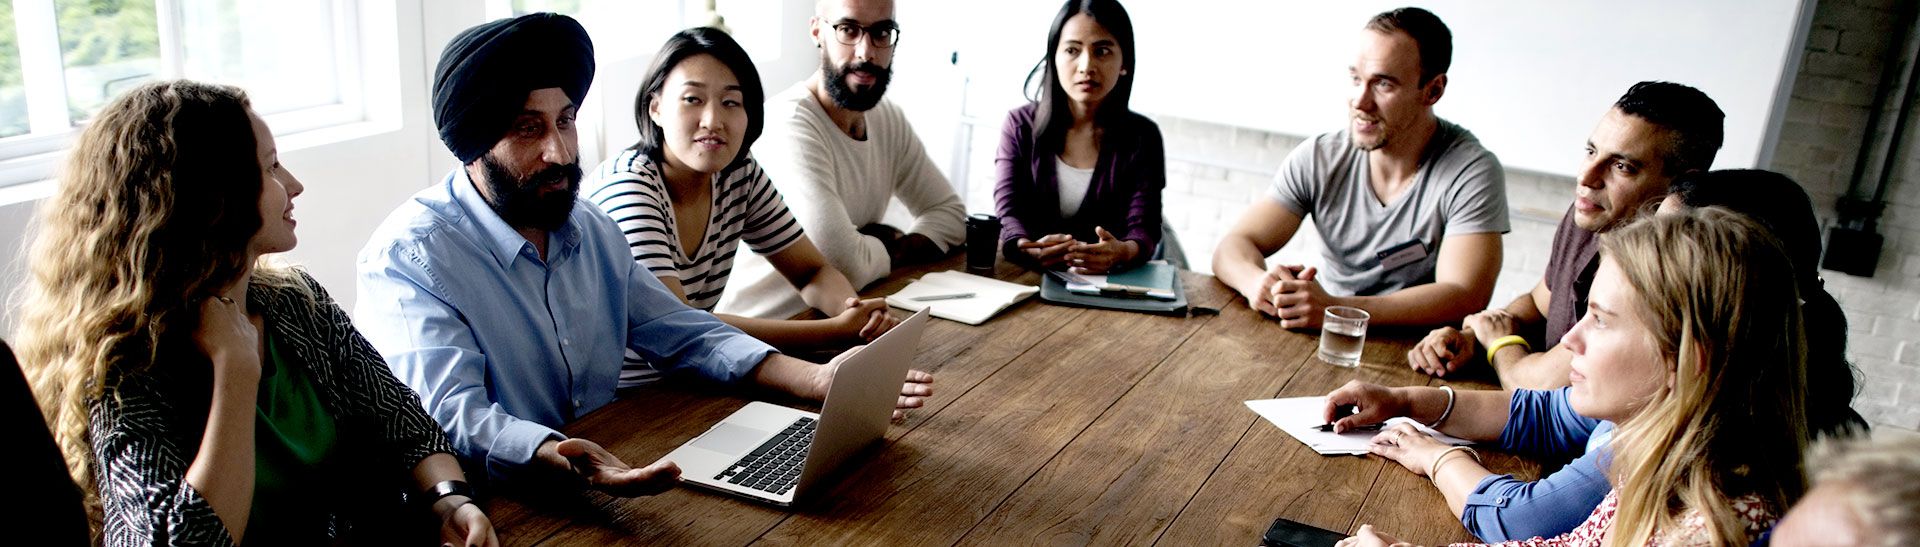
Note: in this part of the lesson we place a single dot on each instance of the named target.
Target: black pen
(1369, 427)
(1341, 412)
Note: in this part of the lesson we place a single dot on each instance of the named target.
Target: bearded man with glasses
(840, 153)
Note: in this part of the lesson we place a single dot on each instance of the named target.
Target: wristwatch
(443, 489)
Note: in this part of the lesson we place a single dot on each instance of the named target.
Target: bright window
(62, 60)
(106, 47)
(13, 89)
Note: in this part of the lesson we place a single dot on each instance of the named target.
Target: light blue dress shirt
(1542, 424)
(502, 346)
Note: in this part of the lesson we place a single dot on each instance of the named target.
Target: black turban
(487, 71)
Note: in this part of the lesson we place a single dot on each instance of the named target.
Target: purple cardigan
(1124, 196)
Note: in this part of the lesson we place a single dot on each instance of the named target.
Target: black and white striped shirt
(746, 208)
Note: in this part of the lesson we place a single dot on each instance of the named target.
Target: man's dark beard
(518, 200)
(845, 96)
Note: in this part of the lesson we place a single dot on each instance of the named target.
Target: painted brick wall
(1214, 170)
(1826, 121)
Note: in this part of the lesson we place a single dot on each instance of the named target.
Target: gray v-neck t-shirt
(1460, 189)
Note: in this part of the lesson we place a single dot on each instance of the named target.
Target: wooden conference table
(1048, 425)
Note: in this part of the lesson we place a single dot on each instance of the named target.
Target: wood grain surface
(1049, 425)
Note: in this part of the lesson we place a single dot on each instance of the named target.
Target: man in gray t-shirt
(1410, 206)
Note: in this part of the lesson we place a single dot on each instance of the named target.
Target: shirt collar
(507, 244)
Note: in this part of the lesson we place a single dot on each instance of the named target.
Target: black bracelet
(443, 489)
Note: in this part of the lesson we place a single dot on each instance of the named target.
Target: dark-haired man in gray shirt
(1410, 206)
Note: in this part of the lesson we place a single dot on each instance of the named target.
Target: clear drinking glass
(1343, 332)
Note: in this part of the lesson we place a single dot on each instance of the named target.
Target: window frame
(33, 157)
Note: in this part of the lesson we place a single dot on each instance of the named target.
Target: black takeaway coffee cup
(983, 241)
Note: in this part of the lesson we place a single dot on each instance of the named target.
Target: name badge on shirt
(1403, 254)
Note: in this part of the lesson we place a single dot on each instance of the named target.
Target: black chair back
(50, 511)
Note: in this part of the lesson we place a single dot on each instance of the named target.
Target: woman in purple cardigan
(1080, 174)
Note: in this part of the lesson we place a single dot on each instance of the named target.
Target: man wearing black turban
(507, 308)
(485, 92)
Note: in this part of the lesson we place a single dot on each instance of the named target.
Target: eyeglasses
(879, 35)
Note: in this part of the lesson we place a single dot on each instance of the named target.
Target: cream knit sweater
(834, 185)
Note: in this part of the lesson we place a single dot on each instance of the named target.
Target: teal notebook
(1151, 280)
(1155, 277)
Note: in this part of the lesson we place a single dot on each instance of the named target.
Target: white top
(834, 185)
(1073, 183)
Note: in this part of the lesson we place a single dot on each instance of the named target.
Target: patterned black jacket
(147, 429)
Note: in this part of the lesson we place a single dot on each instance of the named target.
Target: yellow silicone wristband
(1508, 340)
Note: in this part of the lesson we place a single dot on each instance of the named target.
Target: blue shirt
(1542, 423)
(502, 346)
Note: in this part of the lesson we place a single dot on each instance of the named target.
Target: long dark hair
(688, 43)
(1778, 204)
(1054, 117)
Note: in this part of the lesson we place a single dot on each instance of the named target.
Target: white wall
(1527, 77)
(1202, 59)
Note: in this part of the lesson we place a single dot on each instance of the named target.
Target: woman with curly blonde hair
(200, 395)
(1693, 344)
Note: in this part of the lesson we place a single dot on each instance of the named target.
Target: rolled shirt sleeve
(1502, 508)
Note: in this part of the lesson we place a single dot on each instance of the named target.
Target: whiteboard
(1529, 78)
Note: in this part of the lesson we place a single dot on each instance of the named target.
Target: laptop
(772, 453)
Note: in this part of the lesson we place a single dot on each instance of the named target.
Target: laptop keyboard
(775, 465)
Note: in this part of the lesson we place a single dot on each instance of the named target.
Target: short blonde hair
(1885, 473)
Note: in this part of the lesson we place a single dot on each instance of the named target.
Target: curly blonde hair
(156, 204)
(1721, 300)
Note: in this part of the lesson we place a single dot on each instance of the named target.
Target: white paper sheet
(989, 296)
(1298, 416)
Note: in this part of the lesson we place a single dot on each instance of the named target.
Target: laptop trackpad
(728, 438)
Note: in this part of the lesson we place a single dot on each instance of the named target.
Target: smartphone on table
(1287, 533)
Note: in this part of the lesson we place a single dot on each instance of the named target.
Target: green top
(294, 448)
